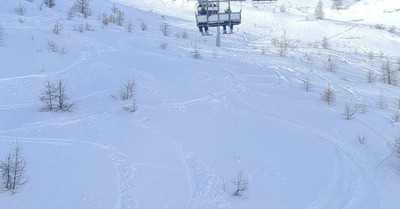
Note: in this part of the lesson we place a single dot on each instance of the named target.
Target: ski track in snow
(205, 187)
(351, 184)
(125, 168)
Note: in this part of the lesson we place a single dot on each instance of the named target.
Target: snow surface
(241, 107)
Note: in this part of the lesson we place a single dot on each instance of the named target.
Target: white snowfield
(241, 107)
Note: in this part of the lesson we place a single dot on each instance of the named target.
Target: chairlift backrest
(211, 8)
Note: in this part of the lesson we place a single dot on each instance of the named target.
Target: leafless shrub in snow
(165, 30)
(105, 19)
(361, 138)
(274, 42)
(389, 75)
(398, 64)
(263, 50)
(13, 169)
(396, 148)
(381, 103)
(307, 57)
(114, 9)
(57, 28)
(283, 47)
(392, 29)
(348, 112)
(283, 8)
(132, 106)
(52, 46)
(396, 117)
(379, 26)
(196, 51)
(241, 184)
(361, 108)
(143, 26)
(88, 27)
(20, 10)
(371, 76)
(21, 19)
(329, 96)
(325, 43)
(215, 53)
(371, 55)
(50, 3)
(184, 34)
(127, 92)
(307, 85)
(163, 45)
(398, 103)
(70, 13)
(120, 18)
(129, 26)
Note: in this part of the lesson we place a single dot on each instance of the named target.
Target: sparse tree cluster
(55, 97)
(13, 169)
(116, 17)
(82, 7)
(55, 48)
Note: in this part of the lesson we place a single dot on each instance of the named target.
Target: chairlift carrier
(208, 14)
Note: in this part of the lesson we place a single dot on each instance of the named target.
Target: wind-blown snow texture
(201, 121)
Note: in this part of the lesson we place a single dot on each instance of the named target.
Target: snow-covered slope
(241, 107)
